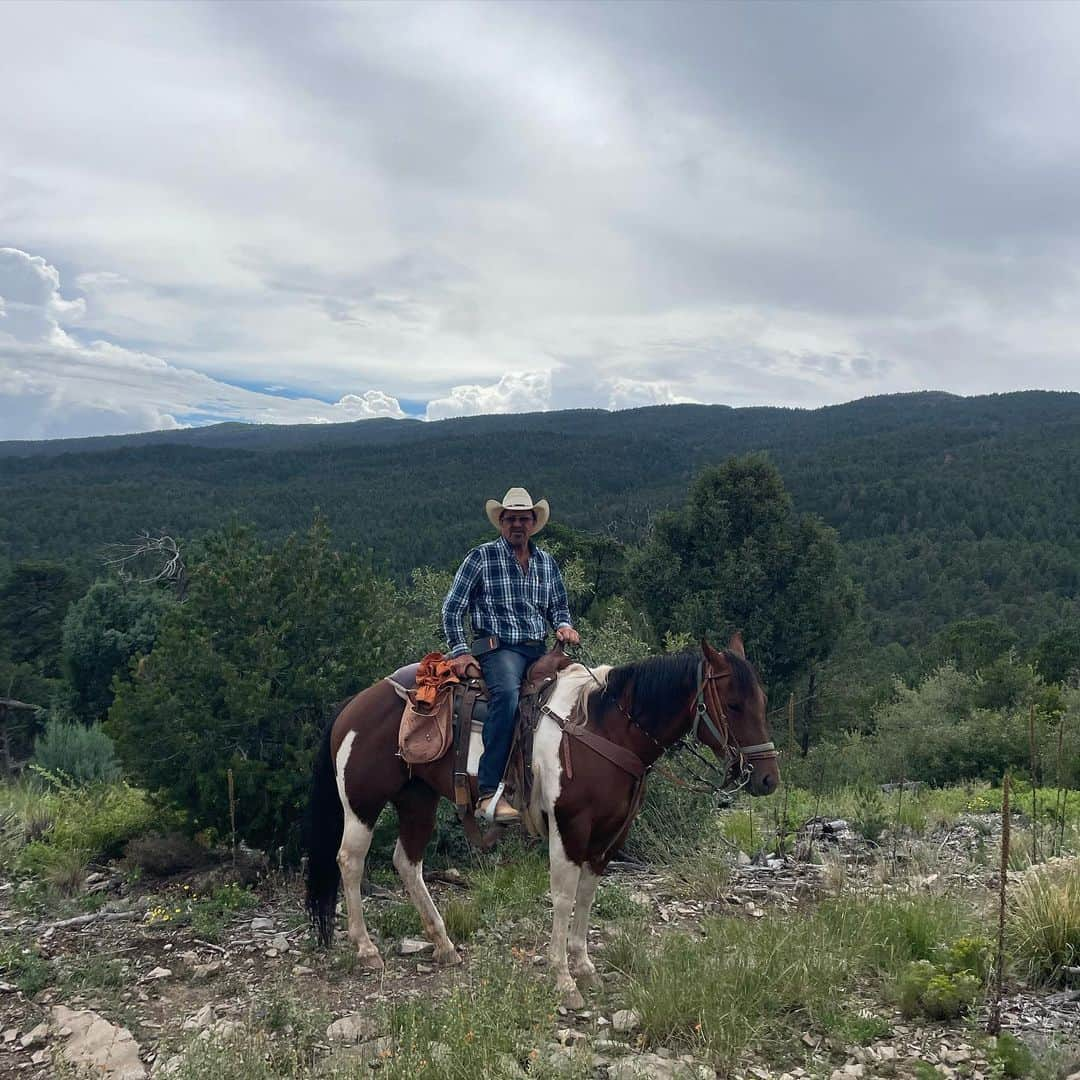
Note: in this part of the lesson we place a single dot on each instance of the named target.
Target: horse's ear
(735, 645)
(716, 660)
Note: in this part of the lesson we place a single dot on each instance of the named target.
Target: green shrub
(81, 755)
(61, 868)
(871, 814)
(1012, 1056)
(928, 989)
(102, 819)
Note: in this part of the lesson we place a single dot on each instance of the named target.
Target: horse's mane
(660, 681)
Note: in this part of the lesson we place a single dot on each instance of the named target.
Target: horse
(597, 738)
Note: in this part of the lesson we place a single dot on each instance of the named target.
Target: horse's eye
(735, 707)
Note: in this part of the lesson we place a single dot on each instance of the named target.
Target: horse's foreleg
(581, 966)
(416, 806)
(565, 876)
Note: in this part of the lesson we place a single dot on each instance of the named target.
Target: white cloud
(528, 391)
(31, 302)
(634, 393)
(640, 202)
(51, 385)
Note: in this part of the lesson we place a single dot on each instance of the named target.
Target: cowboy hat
(518, 499)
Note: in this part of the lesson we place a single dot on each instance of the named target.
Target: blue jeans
(503, 670)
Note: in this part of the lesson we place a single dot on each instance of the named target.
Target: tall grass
(1043, 926)
(720, 993)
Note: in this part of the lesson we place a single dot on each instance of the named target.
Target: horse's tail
(324, 827)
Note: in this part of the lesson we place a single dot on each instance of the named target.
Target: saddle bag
(426, 732)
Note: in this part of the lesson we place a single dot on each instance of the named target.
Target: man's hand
(568, 635)
(460, 665)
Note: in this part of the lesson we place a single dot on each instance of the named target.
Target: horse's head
(734, 724)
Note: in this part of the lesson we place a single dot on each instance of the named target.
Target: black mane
(663, 682)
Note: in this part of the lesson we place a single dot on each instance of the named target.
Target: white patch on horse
(355, 842)
(573, 683)
(412, 874)
(565, 876)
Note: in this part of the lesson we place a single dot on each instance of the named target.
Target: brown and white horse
(642, 709)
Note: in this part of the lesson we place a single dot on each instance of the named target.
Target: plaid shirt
(503, 599)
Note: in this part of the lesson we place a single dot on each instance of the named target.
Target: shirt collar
(508, 548)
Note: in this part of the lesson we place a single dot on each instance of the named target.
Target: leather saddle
(469, 711)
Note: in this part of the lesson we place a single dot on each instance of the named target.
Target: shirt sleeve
(559, 610)
(457, 602)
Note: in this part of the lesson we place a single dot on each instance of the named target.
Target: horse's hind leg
(355, 842)
(416, 805)
(581, 967)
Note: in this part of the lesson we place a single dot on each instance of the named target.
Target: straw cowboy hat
(518, 499)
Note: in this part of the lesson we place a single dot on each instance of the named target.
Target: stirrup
(489, 815)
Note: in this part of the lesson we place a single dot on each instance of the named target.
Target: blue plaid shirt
(502, 599)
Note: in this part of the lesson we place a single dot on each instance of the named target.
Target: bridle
(739, 759)
(738, 765)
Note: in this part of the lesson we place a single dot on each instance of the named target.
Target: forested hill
(947, 506)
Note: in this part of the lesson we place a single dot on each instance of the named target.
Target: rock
(261, 924)
(414, 946)
(299, 969)
(281, 943)
(96, 1045)
(353, 1028)
(10, 1035)
(625, 1020)
(35, 1037)
(567, 1060)
(743, 859)
(204, 971)
(655, 1067)
(157, 973)
(202, 1019)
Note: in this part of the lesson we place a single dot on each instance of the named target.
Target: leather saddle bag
(426, 733)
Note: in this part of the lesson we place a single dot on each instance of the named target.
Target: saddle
(454, 722)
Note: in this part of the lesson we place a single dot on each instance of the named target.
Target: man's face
(517, 525)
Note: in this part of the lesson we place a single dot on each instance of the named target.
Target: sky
(318, 212)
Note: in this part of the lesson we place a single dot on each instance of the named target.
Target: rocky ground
(126, 987)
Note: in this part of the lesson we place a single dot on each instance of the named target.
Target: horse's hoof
(447, 957)
(370, 961)
(587, 979)
(572, 999)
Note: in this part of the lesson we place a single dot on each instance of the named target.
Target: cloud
(30, 301)
(525, 392)
(628, 203)
(51, 385)
(634, 393)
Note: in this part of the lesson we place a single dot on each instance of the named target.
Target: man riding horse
(512, 591)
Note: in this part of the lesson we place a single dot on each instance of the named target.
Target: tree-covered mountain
(948, 507)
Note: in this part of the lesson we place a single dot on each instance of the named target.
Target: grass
(1043, 925)
(22, 964)
(720, 993)
(394, 921)
(492, 1023)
